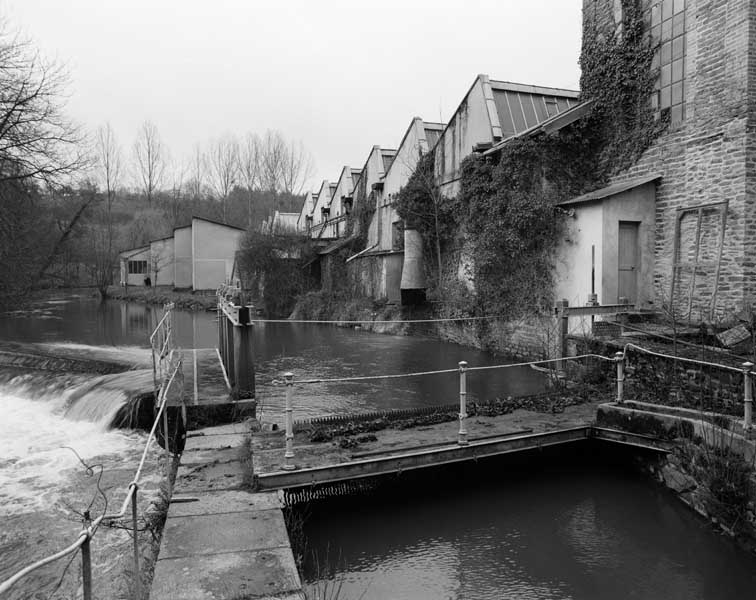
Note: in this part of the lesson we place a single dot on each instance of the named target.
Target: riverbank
(187, 300)
(528, 338)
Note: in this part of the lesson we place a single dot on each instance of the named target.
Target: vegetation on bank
(70, 200)
(161, 296)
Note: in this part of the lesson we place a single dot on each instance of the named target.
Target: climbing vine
(423, 207)
(511, 220)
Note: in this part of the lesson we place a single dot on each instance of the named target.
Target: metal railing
(161, 344)
(690, 378)
(172, 378)
(462, 368)
(619, 359)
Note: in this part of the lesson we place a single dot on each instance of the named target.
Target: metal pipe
(747, 397)
(462, 437)
(289, 454)
(620, 358)
(135, 530)
(86, 568)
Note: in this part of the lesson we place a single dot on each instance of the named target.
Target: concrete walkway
(221, 542)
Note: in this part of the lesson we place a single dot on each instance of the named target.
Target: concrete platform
(220, 540)
(399, 450)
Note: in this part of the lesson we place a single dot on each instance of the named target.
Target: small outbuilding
(199, 256)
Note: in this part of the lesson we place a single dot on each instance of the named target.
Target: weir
(225, 533)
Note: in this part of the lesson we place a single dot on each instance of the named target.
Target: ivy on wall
(506, 215)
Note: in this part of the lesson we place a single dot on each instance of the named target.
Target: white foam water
(34, 433)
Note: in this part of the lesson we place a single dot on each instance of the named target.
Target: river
(553, 526)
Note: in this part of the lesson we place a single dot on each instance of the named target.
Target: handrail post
(619, 358)
(135, 531)
(289, 454)
(747, 397)
(165, 430)
(462, 437)
(86, 567)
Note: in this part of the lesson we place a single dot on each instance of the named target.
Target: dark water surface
(567, 523)
(307, 350)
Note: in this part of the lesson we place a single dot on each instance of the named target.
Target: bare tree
(296, 168)
(178, 175)
(109, 170)
(250, 169)
(150, 156)
(271, 159)
(36, 140)
(223, 160)
(285, 166)
(197, 173)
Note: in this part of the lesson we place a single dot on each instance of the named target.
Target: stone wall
(709, 157)
(709, 468)
(669, 382)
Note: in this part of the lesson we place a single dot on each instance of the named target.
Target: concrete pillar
(244, 366)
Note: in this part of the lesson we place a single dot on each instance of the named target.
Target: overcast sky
(339, 76)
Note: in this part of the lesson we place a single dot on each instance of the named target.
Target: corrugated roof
(519, 111)
(550, 125)
(611, 190)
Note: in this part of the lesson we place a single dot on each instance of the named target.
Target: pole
(748, 397)
(462, 437)
(86, 567)
(563, 324)
(165, 429)
(135, 536)
(289, 454)
(619, 358)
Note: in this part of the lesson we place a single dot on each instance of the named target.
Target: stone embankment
(526, 338)
(160, 296)
(710, 466)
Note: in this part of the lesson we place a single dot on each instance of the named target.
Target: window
(137, 267)
(667, 22)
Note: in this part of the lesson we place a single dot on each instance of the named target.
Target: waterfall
(36, 433)
(107, 399)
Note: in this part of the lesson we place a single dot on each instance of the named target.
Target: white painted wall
(162, 261)
(324, 200)
(307, 206)
(182, 257)
(373, 173)
(213, 248)
(470, 125)
(573, 256)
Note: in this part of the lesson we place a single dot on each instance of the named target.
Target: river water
(542, 529)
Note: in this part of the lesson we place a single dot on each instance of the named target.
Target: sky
(339, 76)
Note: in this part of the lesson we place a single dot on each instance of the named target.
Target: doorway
(629, 260)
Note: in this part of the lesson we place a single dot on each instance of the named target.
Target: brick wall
(709, 157)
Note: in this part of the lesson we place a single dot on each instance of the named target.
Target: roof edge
(611, 190)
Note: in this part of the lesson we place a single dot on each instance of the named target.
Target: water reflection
(557, 524)
(307, 350)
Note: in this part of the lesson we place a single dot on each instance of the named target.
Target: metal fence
(170, 368)
(739, 381)
(462, 369)
(693, 383)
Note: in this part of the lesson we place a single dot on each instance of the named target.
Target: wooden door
(628, 261)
